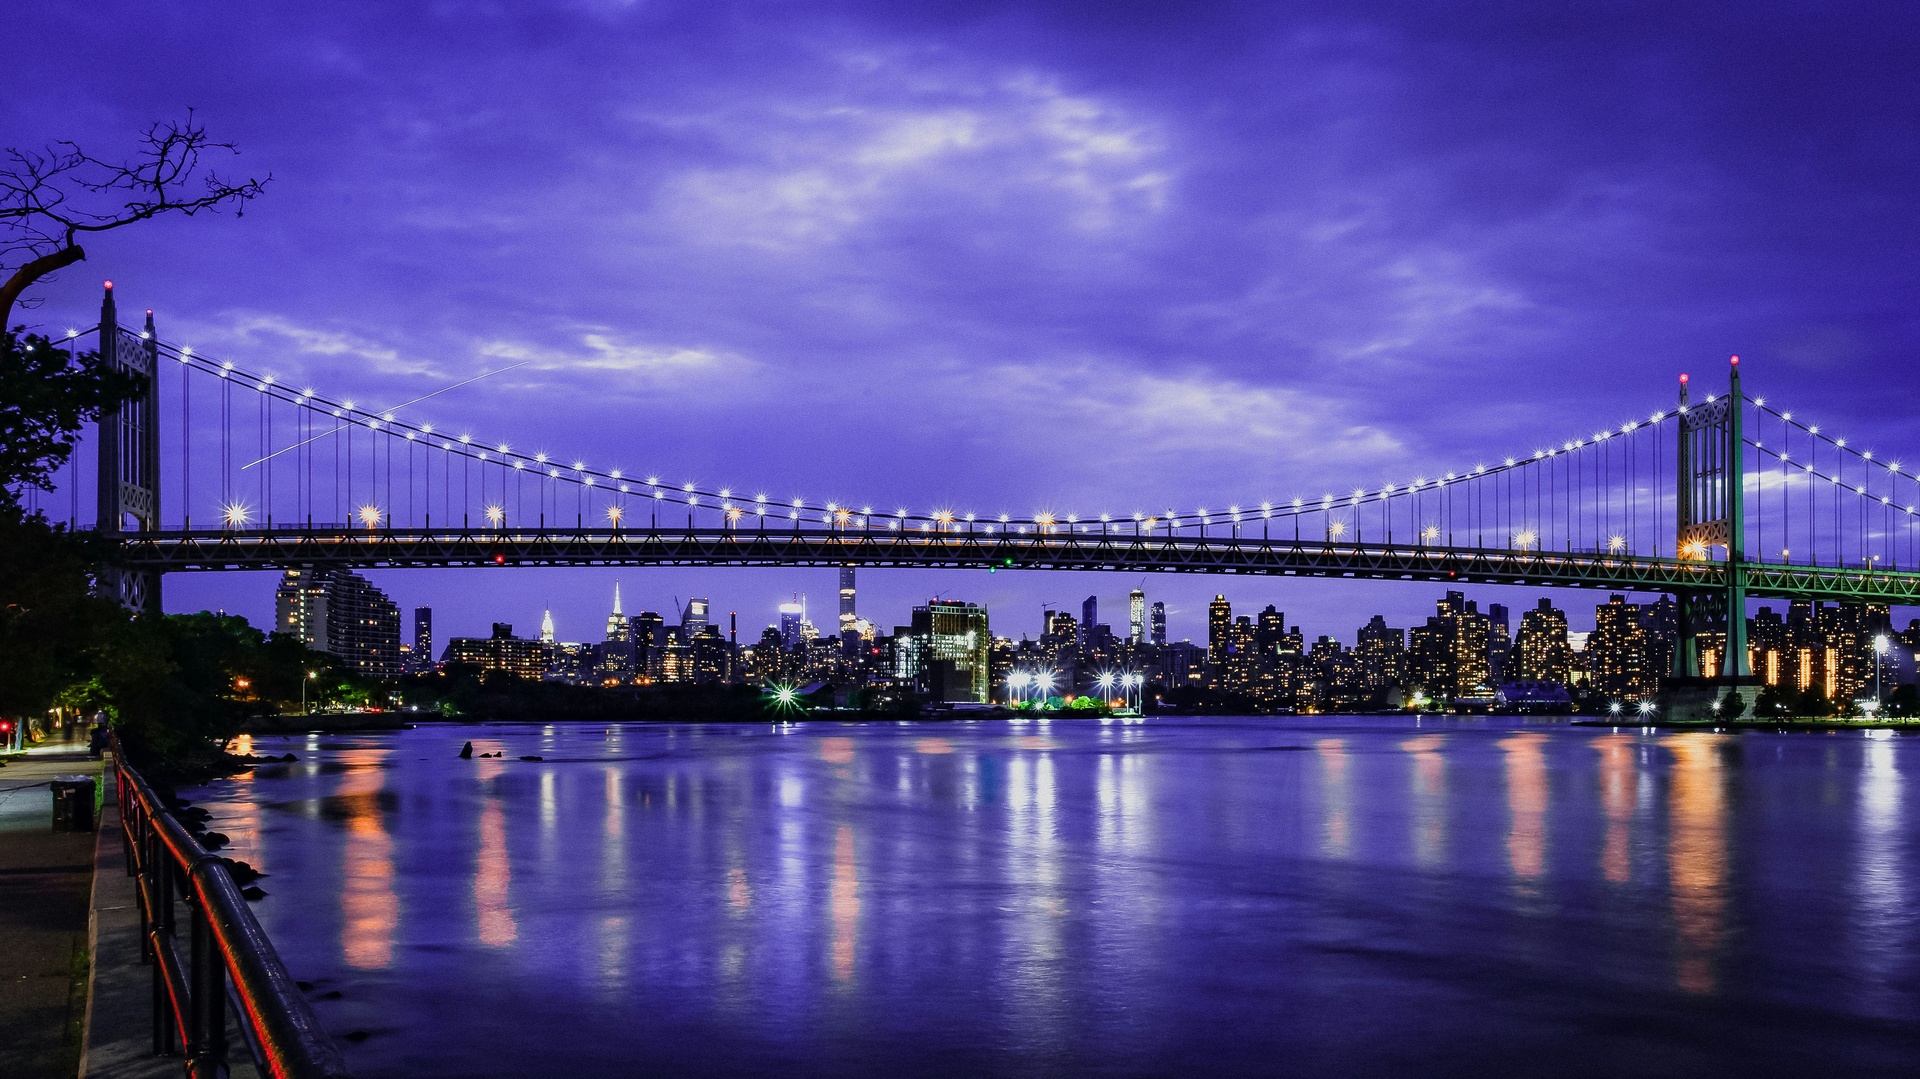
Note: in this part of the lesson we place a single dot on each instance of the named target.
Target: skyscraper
(1159, 624)
(1137, 617)
(546, 627)
(693, 620)
(792, 615)
(342, 613)
(423, 638)
(954, 650)
(1540, 649)
(1089, 616)
(617, 628)
(1219, 632)
(849, 618)
(1617, 651)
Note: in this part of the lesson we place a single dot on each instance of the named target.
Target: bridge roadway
(382, 548)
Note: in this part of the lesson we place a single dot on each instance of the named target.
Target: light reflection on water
(1320, 896)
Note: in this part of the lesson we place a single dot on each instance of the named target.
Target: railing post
(206, 1001)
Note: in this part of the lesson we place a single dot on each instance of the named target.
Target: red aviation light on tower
(1735, 361)
(1683, 378)
(109, 285)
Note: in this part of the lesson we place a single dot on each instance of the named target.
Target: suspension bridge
(1713, 500)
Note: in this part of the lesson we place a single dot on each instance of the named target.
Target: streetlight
(311, 675)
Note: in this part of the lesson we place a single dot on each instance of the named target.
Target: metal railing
(228, 956)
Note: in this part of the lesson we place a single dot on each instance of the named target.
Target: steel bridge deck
(279, 548)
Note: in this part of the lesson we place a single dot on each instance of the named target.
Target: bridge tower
(1710, 512)
(128, 488)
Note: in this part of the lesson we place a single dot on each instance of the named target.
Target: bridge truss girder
(169, 552)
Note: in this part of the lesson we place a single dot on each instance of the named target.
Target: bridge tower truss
(128, 489)
(1710, 512)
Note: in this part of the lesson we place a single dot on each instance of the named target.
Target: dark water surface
(1320, 896)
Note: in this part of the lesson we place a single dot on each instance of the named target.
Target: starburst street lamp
(236, 514)
(370, 516)
(613, 516)
(496, 515)
(1616, 544)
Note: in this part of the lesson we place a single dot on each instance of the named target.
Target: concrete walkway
(46, 880)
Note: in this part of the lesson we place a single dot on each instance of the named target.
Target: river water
(1315, 896)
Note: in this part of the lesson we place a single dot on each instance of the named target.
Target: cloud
(273, 333)
(817, 171)
(634, 367)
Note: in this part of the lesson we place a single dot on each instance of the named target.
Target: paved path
(46, 878)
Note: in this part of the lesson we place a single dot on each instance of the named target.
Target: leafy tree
(47, 396)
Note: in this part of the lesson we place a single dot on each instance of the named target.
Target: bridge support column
(1710, 510)
(128, 480)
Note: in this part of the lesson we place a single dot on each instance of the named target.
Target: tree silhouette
(50, 199)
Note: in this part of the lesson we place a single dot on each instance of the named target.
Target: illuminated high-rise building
(693, 618)
(617, 628)
(792, 617)
(1219, 632)
(1137, 617)
(849, 618)
(1089, 617)
(546, 627)
(332, 610)
(1617, 652)
(423, 638)
(953, 646)
(1540, 649)
(1159, 624)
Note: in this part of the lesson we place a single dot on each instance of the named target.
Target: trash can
(73, 804)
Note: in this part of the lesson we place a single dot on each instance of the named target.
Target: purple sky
(1091, 256)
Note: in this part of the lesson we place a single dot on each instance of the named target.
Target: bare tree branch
(48, 199)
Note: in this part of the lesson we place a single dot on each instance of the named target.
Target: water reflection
(1099, 899)
(1526, 804)
(1697, 856)
(845, 903)
(369, 909)
(1879, 880)
(1429, 797)
(1617, 802)
(492, 871)
(1336, 834)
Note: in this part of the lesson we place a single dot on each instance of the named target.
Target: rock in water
(466, 752)
(533, 758)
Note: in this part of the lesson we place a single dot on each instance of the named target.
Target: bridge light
(495, 515)
(520, 465)
(1868, 454)
(1616, 544)
(370, 516)
(236, 514)
(613, 514)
